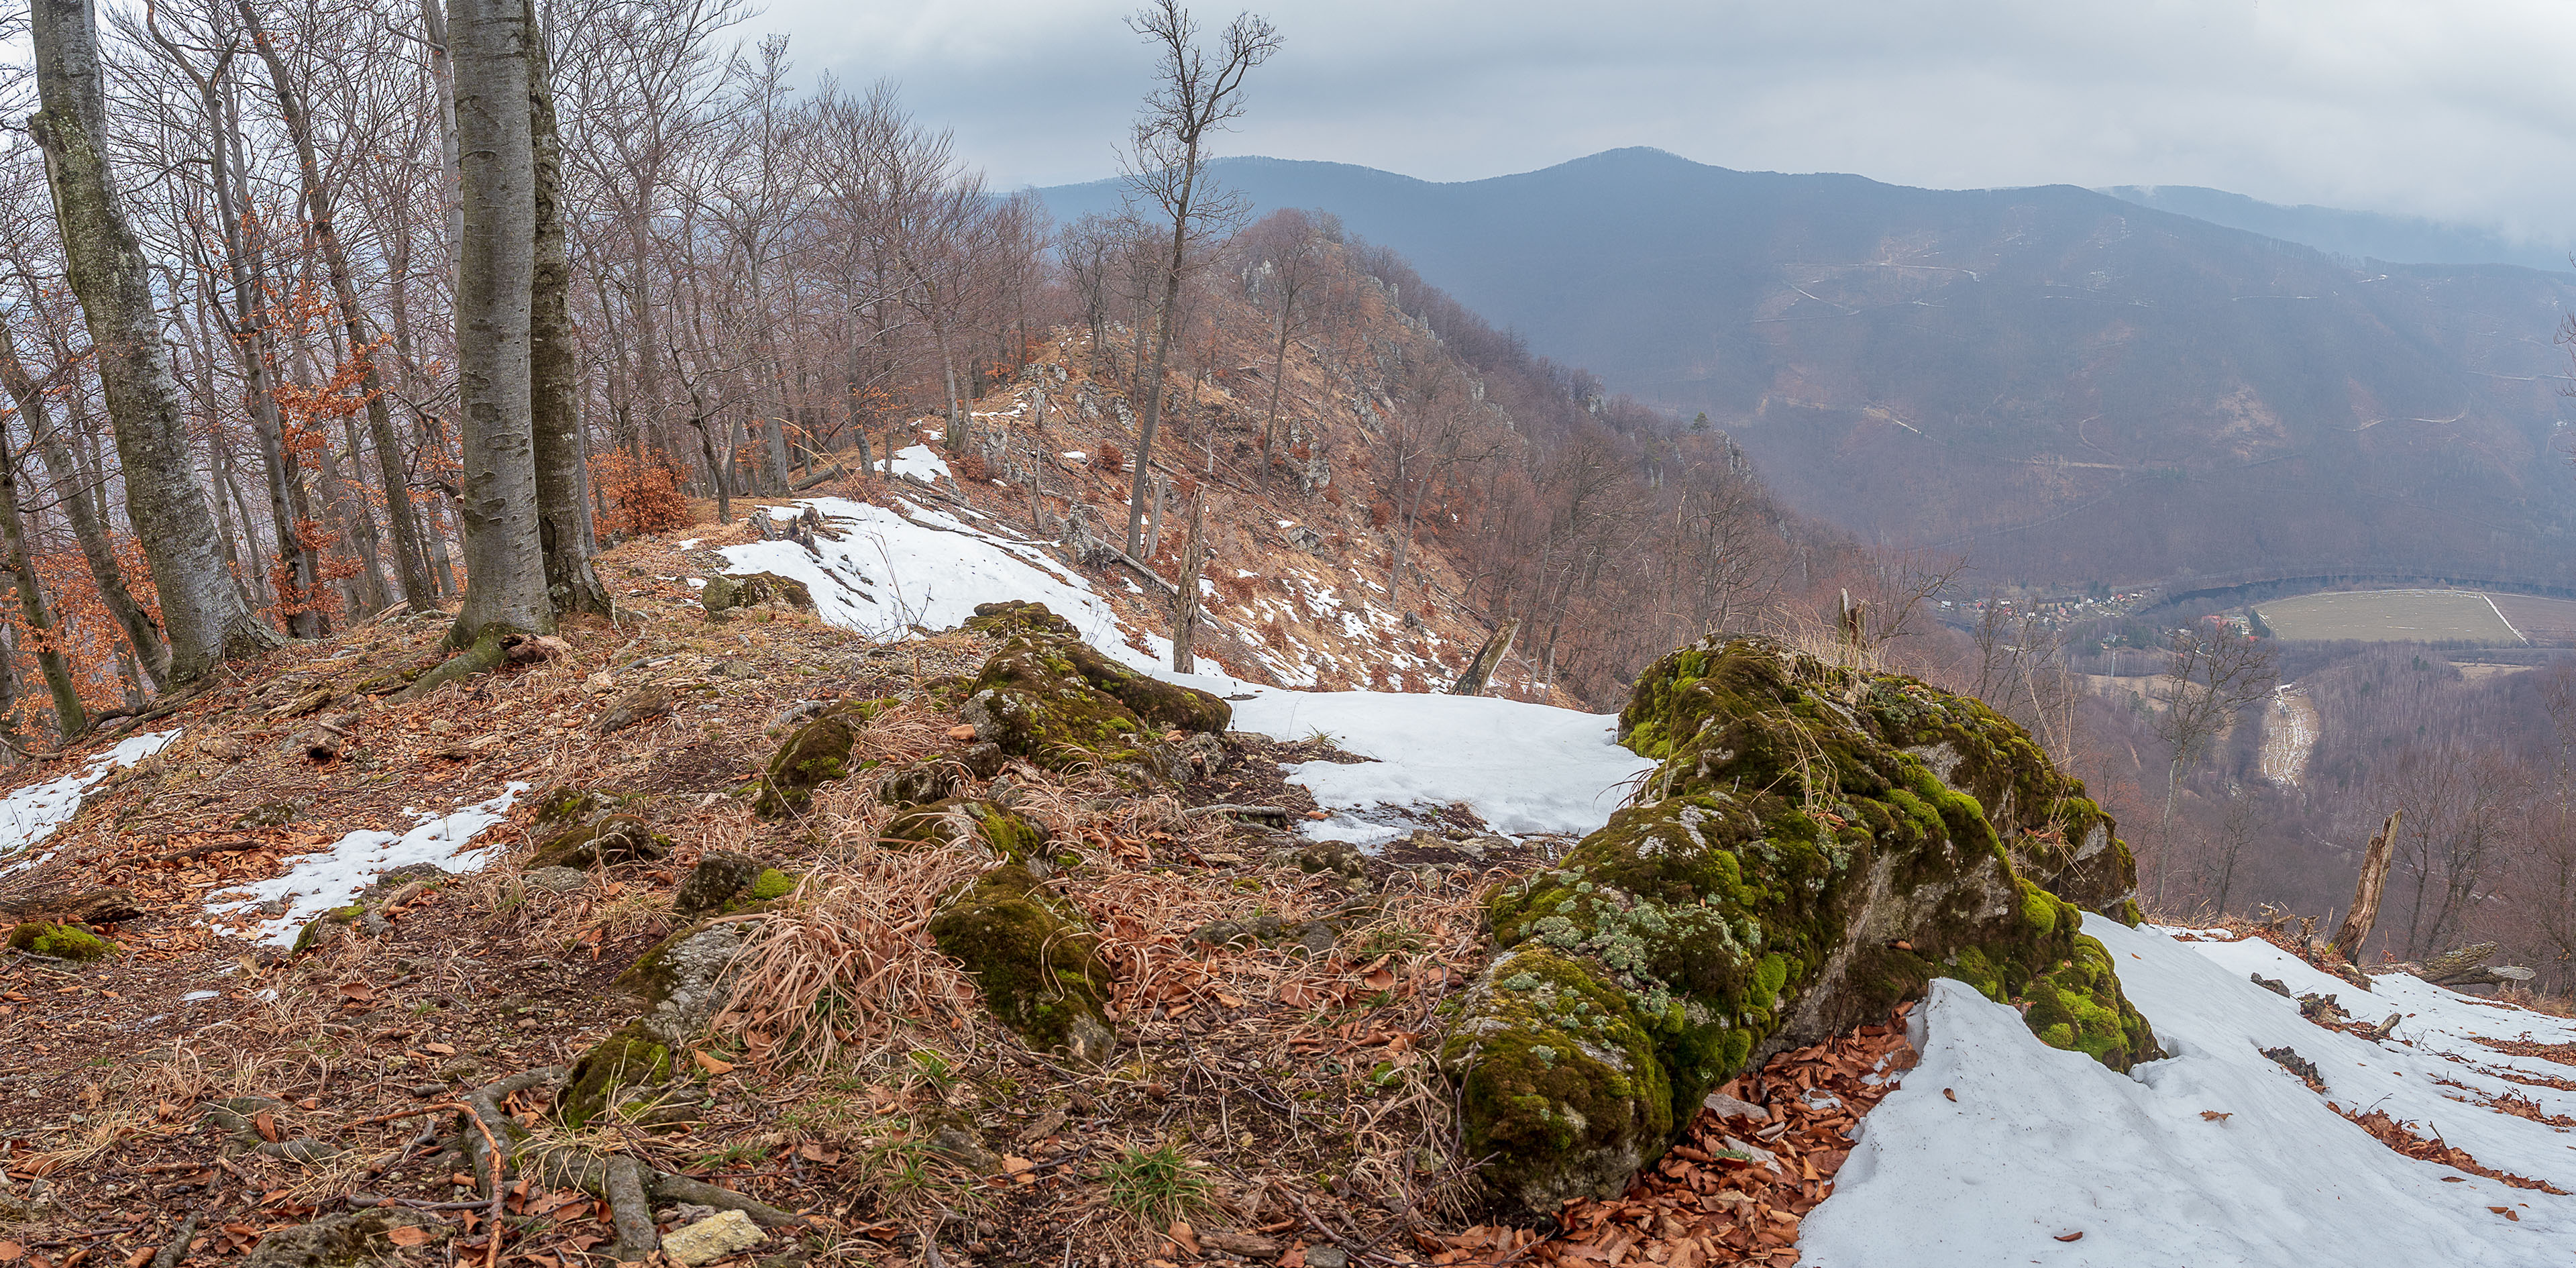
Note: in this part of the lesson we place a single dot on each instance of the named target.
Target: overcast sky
(2453, 109)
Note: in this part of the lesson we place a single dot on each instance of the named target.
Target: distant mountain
(2066, 385)
(2360, 235)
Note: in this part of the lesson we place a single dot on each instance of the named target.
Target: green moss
(1034, 964)
(1048, 696)
(816, 754)
(1014, 838)
(310, 936)
(1554, 1065)
(625, 1059)
(62, 942)
(771, 884)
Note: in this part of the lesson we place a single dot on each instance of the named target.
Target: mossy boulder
(310, 937)
(1794, 865)
(1050, 697)
(1032, 959)
(919, 783)
(62, 942)
(815, 754)
(604, 1077)
(610, 840)
(722, 879)
(725, 592)
(1016, 839)
(565, 804)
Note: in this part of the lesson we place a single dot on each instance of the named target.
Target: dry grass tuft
(833, 974)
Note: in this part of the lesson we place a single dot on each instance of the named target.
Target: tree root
(630, 1210)
(178, 1248)
(482, 656)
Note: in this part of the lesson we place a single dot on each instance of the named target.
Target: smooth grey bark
(63, 469)
(505, 576)
(411, 569)
(204, 613)
(562, 463)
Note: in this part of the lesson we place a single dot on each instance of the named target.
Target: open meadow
(2395, 616)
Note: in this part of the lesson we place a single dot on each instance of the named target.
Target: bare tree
(1196, 94)
(1288, 261)
(205, 614)
(505, 588)
(2211, 673)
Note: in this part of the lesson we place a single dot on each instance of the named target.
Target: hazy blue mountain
(2066, 385)
(2362, 235)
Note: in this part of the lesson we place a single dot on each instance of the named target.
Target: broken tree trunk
(2468, 966)
(1471, 681)
(2365, 896)
(1185, 615)
(833, 472)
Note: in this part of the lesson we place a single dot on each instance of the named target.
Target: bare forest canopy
(2062, 385)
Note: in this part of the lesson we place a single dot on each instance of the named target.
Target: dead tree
(1472, 680)
(2366, 895)
(1185, 601)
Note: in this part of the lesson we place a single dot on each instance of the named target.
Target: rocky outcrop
(1814, 846)
(607, 841)
(997, 826)
(1050, 697)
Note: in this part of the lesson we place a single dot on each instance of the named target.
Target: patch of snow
(1076, 455)
(920, 462)
(329, 878)
(2042, 1143)
(696, 583)
(881, 571)
(31, 814)
(689, 543)
(193, 996)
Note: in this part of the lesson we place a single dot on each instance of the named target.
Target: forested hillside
(2064, 386)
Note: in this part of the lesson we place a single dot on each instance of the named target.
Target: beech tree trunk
(72, 495)
(564, 531)
(205, 614)
(505, 577)
(2366, 895)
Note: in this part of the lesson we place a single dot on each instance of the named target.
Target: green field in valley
(2391, 616)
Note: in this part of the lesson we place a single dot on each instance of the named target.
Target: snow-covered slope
(2217, 1156)
(1521, 767)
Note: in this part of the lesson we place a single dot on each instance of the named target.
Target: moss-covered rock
(720, 880)
(1032, 959)
(610, 840)
(625, 1061)
(62, 942)
(725, 592)
(1016, 839)
(816, 754)
(1795, 865)
(310, 937)
(1047, 696)
(919, 783)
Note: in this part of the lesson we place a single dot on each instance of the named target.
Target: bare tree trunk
(2366, 895)
(562, 469)
(203, 611)
(96, 549)
(70, 717)
(1185, 619)
(505, 576)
